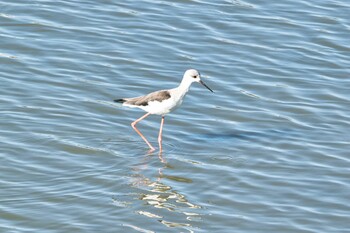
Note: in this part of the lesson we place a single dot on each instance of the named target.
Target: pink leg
(138, 131)
(160, 134)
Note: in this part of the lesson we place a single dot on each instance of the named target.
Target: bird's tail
(119, 100)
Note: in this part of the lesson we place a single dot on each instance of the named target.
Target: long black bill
(201, 82)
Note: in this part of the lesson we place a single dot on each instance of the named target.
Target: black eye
(194, 76)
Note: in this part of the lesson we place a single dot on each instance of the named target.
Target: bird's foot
(151, 150)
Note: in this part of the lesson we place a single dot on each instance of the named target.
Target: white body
(162, 106)
(165, 106)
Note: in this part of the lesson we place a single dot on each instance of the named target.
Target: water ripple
(265, 151)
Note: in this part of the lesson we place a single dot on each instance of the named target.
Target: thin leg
(160, 134)
(133, 125)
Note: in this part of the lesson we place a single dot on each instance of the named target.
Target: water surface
(267, 152)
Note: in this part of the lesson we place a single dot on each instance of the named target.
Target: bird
(162, 102)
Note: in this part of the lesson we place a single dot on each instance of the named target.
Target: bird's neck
(184, 86)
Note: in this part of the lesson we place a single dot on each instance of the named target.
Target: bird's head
(194, 76)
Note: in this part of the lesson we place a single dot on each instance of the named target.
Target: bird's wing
(144, 100)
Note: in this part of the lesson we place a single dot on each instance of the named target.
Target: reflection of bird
(162, 102)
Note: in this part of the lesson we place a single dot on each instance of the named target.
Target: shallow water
(267, 152)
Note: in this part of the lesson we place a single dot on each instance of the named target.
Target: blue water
(268, 151)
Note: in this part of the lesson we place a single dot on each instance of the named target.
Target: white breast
(166, 106)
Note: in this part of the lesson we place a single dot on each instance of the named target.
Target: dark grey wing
(144, 100)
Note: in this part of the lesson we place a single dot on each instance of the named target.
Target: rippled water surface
(268, 151)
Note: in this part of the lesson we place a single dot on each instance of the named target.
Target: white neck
(185, 85)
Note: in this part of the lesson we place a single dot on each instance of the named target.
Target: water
(267, 152)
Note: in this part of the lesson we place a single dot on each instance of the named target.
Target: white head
(193, 75)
